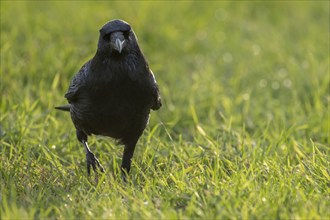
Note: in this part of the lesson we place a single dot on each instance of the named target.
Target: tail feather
(64, 107)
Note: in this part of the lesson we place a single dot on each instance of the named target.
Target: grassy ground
(243, 133)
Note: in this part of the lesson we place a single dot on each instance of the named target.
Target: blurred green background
(243, 84)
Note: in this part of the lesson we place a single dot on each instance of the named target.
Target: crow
(113, 93)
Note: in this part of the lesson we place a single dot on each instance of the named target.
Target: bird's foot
(124, 174)
(94, 162)
(124, 177)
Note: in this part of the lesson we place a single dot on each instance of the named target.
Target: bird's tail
(64, 107)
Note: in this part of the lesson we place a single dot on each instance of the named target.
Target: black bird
(112, 93)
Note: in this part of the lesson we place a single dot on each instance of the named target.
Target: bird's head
(116, 37)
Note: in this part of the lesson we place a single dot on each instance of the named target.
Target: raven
(113, 93)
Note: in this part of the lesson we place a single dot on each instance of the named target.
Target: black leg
(127, 159)
(91, 160)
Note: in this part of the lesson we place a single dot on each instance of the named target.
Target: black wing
(77, 82)
(156, 99)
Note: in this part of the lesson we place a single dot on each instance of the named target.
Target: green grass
(243, 132)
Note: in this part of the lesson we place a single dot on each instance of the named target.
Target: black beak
(119, 45)
(118, 41)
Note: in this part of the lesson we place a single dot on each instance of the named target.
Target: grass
(243, 132)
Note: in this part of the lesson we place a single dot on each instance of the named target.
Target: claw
(100, 166)
(91, 160)
(94, 162)
(124, 177)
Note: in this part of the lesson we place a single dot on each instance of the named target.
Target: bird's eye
(126, 34)
(106, 37)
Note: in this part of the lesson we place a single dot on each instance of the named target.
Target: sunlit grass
(243, 133)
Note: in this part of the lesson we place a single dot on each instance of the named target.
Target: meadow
(244, 128)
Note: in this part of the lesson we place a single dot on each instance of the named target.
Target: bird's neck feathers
(120, 65)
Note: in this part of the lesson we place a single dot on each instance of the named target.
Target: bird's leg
(90, 157)
(127, 159)
(91, 160)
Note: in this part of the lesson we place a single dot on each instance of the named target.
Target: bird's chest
(122, 96)
(115, 108)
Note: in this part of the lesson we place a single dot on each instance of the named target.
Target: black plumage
(112, 93)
